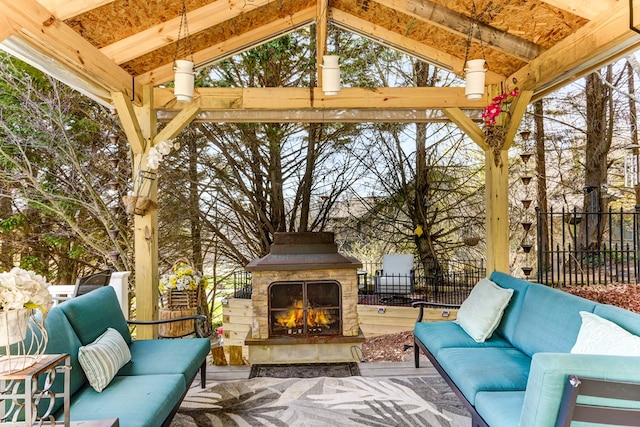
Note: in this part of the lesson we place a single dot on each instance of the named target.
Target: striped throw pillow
(102, 359)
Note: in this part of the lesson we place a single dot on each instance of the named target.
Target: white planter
(23, 340)
(474, 80)
(13, 326)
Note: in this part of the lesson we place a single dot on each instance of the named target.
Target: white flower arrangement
(183, 277)
(158, 151)
(24, 289)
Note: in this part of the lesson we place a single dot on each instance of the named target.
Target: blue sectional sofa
(518, 375)
(146, 391)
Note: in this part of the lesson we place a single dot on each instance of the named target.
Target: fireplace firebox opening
(305, 308)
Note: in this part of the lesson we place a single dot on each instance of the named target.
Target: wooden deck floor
(367, 369)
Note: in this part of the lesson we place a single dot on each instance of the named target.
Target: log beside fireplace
(304, 302)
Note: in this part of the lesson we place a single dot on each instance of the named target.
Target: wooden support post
(146, 229)
(497, 212)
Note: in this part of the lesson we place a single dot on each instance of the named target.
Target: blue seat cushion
(509, 322)
(485, 369)
(438, 335)
(167, 356)
(500, 408)
(138, 401)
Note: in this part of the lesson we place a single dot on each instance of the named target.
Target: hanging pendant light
(474, 79)
(474, 69)
(184, 79)
(330, 75)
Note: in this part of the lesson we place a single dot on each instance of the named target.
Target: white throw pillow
(102, 359)
(602, 336)
(481, 312)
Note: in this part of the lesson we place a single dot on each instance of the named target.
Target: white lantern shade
(183, 80)
(474, 79)
(330, 75)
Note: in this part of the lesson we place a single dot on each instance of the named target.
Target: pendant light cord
(183, 44)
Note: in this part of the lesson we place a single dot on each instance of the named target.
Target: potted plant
(21, 293)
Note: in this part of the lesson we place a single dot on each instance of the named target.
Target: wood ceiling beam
(129, 121)
(592, 46)
(459, 24)
(179, 122)
(233, 46)
(53, 40)
(589, 9)
(166, 33)
(314, 116)
(65, 9)
(273, 99)
(404, 44)
(322, 18)
(468, 126)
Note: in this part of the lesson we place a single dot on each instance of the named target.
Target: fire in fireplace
(304, 308)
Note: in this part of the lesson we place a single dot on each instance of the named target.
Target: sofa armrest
(549, 373)
(198, 321)
(423, 304)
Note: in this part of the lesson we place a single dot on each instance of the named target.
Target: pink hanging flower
(491, 112)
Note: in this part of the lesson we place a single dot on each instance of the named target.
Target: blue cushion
(509, 322)
(169, 356)
(141, 401)
(485, 369)
(500, 408)
(92, 313)
(438, 335)
(549, 320)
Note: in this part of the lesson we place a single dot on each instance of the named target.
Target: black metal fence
(572, 258)
(450, 286)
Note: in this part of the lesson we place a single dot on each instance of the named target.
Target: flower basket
(181, 287)
(177, 300)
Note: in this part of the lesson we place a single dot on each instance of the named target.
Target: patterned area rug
(324, 401)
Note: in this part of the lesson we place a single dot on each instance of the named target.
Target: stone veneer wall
(261, 280)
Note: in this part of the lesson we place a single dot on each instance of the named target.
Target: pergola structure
(121, 52)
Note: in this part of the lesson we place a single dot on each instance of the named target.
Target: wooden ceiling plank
(459, 24)
(7, 28)
(166, 33)
(129, 121)
(397, 98)
(54, 39)
(468, 126)
(595, 43)
(589, 9)
(400, 42)
(233, 45)
(65, 9)
(179, 122)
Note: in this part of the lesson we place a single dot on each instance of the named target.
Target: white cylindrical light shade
(183, 80)
(330, 75)
(474, 80)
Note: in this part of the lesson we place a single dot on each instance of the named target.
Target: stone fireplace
(304, 302)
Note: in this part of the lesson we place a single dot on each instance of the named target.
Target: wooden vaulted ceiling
(104, 47)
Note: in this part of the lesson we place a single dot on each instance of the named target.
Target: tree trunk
(194, 203)
(541, 202)
(597, 147)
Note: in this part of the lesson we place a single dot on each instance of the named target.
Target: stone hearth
(298, 258)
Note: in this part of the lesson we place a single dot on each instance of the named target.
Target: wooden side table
(15, 402)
